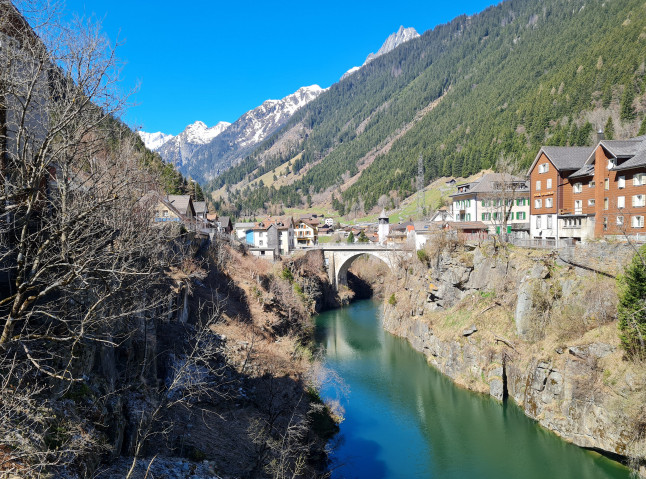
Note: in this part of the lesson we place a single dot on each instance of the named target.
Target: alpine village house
(584, 193)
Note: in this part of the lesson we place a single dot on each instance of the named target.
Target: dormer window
(612, 162)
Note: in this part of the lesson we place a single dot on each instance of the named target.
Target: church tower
(384, 227)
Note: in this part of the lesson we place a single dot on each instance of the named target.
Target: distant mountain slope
(503, 82)
(393, 41)
(180, 149)
(201, 152)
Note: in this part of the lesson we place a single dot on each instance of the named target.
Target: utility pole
(420, 186)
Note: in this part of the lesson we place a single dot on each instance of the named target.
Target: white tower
(384, 227)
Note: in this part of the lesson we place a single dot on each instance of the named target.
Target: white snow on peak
(393, 41)
(199, 133)
(154, 140)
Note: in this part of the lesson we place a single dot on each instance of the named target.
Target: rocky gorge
(537, 327)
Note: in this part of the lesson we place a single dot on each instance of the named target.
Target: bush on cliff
(631, 310)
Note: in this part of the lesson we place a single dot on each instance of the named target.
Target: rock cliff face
(525, 326)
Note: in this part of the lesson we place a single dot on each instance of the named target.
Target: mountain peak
(154, 140)
(402, 35)
(393, 41)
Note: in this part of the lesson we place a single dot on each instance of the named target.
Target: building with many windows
(498, 200)
(594, 192)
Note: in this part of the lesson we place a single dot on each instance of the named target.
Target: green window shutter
(508, 229)
(483, 203)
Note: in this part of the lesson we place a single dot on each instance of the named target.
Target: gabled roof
(487, 184)
(183, 203)
(200, 207)
(622, 148)
(279, 222)
(564, 158)
(639, 158)
(586, 170)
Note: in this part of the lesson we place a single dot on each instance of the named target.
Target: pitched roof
(181, 202)
(200, 207)
(586, 170)
(565, 157)
(467, 225)
(637, 161)
(486, 184)
(622, 148)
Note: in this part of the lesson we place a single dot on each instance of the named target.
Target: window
(543, 168)
(606, 184)
(538, 185)
(578, 206)
(520, 202)
(639, 179)
(495, 216)
(611, 163)
(620, 220)
(605, 223)
(468, 216)
(483, 202)
(638, 200)
(638, 221)
(538, 203)
(605, 203)
(548, 183)
(548, 202)
(538, 222)
(486, 216)
(576, 187)
(520, 215)
(590, 202)
(549, 222)
(165, 213)
(621, 181)
(591, 184)
(621, 201)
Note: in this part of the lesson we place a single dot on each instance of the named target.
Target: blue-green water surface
(403, 419)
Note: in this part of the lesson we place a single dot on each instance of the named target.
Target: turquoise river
(403, 419)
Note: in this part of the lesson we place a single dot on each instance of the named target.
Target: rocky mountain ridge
(393, 41)
(201, 152)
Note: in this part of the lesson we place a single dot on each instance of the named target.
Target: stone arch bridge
(339, 258)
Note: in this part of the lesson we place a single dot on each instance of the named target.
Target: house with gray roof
(590, 192)
(498, 200)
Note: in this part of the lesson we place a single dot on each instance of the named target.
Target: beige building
(306, 233)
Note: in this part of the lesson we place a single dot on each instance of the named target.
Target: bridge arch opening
(363, 273)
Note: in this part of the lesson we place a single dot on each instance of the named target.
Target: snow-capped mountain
(154, 140)
(180, 149)
(202, 152)
(393, 41)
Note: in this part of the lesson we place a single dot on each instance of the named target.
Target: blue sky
(213, 61)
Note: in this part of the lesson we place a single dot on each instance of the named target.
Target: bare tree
(81, 263)
(506, 188)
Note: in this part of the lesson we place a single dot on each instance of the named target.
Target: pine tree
(631, 310)
(642, 129)
(351, 237)
(609, 129)
(627, 112)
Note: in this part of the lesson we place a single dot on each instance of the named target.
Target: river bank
(525, 325)
(406, 419)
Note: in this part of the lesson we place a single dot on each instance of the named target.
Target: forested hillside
(501, 83)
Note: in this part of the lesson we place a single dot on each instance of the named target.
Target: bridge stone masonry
(339, 258)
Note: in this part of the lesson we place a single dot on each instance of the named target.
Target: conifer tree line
(502, 83)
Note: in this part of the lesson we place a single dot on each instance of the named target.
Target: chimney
(600, 135)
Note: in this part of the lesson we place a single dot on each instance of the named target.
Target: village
(569, 195)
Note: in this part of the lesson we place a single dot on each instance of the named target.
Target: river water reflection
(403, 419)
